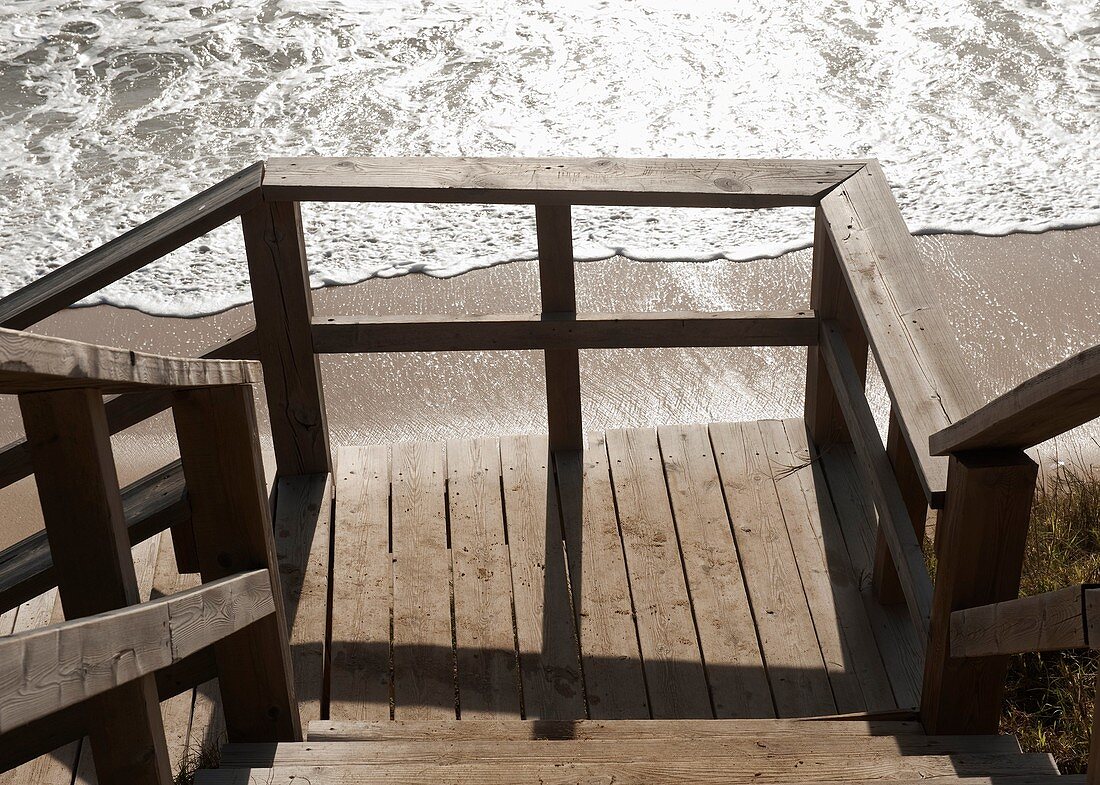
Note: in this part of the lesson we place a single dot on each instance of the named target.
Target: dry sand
(1019, 304)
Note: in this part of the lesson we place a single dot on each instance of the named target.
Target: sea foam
(984, 114)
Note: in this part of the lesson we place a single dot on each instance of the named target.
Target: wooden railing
(869, 295)
(96, 674)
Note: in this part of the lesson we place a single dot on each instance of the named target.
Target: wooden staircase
(629, 752)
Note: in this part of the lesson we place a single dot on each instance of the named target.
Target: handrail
(1063, 619)
(45, 670)
(1045, 406)
(30, 363)
(131, 251)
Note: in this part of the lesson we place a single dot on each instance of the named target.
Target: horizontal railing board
(131, 251)
(126, 410)
(917, 351)
(433, 333)
(1045, 406)
(1064, 619)
(49, 669)
(150, 505)
(34, 363)
(878, 475)
(668, 182)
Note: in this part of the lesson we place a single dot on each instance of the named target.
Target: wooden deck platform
(681, 572)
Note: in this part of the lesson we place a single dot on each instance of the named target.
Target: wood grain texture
(557, 181)
(610, 658)
(283, 305)
(58, 666)
(558, 290)
(796, 669)
(930, 384)
(1043, 622)
(487, 664)
(731, 652)
(878, 475)
(423, 654)
(119, 257)
(557, 331)
(546, 638)
(671, 657)
(32, 363)
(1045, 406)
(362, 586)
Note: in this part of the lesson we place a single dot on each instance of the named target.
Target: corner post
(830, 299)
(70, 446)
(283, 306)
(984, 529)
(559, 296)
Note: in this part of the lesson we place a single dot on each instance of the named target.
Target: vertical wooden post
(559, 296)
(830, 299)
(70, 446)
(985, 520)
(283, 307)
(885, 577)
(216, 430)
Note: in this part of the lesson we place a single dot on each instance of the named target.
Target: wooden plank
(30, 363)
(901, 648)
(362, 586)
(929, 383)
(82, 510)
(562, 332)
(675, 679)
(64, 664)
(667, 182)
(521, 730)
(423, 656)
(796, 670)
(207, 733)
(985, 526)
(119, 257)
(878, 475)
(727, 634)
(1045, 406)
(548, 658)
(283, 305)
(854, 665)
(610, 659)
(487, 666)
(840, 768)
(558, 289)
(303, 525)
(219, 446)
(149, 506)
(1044, 622)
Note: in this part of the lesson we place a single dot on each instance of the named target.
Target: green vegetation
(1049, 699)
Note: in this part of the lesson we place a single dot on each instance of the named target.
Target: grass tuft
(206, 756)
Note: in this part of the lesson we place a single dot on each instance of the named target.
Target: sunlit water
(986, 116)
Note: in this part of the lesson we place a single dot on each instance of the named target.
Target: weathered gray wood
(929, 383)
(558, 289)
(119, 257)
(283, 306)
(231, 518)
(989, 496)
(558, 181)
(885, 578)
(32, 363)
(1045, 406)
(1044, 622)
(54, 667)
(878, 474)
(435, 333)
(82, 510)
(149, 506)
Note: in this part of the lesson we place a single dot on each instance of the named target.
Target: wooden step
(524, 730)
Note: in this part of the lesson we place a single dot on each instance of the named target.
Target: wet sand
(1018, 303)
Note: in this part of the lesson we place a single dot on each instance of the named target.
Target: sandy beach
(1019, 304)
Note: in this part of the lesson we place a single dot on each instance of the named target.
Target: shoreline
(1019, 303)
